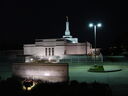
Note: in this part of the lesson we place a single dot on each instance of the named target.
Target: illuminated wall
(44, 72)
(76, 49)
(35, 51)
(51, 48)
(59, 49)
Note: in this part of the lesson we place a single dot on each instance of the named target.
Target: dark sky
(23, 21)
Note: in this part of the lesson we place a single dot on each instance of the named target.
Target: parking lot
(118, 81)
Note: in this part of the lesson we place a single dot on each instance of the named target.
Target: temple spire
(67, 35)
(67, 18)
(67, 31)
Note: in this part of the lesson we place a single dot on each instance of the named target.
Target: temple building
(57, 49)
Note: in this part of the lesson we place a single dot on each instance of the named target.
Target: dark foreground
(14, 87)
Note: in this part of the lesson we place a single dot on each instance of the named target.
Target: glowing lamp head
(99, 25)
(91, 25)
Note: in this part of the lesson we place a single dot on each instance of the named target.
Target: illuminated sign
(45, 72)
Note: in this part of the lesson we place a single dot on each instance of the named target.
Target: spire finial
(67, 18)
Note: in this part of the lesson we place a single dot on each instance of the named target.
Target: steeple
(67, 31)
(67, 35)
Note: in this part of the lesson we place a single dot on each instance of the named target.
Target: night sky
(24, 21)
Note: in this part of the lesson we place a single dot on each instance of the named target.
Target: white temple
(57, 48)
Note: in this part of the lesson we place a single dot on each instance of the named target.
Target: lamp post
(95, 26)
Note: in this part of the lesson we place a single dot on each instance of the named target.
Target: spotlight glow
(99, 25)
(29, 88)
(31, 59)
(46, 74)
(91, 25)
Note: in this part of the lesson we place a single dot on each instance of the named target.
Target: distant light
(99, 25)
(31, 59)
(73, 42)
(91, 25)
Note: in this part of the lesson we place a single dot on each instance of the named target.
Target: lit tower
(67, 31)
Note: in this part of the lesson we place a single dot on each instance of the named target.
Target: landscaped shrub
(96, 68)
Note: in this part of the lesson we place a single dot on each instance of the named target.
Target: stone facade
(46, 48)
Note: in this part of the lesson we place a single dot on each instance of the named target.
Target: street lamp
(95, 26)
